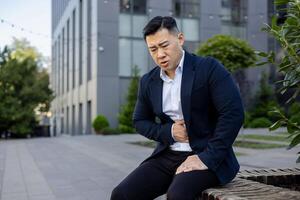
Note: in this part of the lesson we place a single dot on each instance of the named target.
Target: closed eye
(153, 50)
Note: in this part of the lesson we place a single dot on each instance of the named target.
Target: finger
(179, 170)
(178, 127)
(180, 135)
(189, 169)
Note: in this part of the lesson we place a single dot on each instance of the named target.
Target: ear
(181, 39)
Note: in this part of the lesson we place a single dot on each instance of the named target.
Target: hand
(191, 163)
(179, 131)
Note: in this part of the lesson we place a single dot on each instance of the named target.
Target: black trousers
(156, 177)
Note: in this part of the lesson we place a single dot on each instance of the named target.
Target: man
(191, 106)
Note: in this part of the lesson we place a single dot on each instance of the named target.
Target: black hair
(158, 23)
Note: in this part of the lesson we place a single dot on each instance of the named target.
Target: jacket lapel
(156, 95)
(156, 90)
(186, 90)
(186, 87)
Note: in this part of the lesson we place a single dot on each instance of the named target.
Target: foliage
(260, 122)
(287, 34)
(22, 50)
(23, 88)
(99, 123)
(295, 119)
(232, 52)
(294, 109)
(294, 112)
(247, 119)
(257, 145)
(110, 131)
(259, 116)
(125, 116)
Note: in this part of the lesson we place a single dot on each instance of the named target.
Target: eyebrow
(160, 44)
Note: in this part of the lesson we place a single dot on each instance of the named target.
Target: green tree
(23, 88)
(287, 34)
(125, 116)
(232, 52)
(22, 50)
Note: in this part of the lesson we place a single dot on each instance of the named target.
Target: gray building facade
(97, 42)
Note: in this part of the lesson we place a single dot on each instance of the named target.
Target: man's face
(165, 48)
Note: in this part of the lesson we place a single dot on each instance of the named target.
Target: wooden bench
(262, 184)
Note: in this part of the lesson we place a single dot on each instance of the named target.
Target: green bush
(232, 52)
(265, 100)
(99, 123)
(260, 122)
(110, 131)
(126, 129)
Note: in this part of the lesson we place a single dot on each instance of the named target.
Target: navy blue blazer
(212, 110)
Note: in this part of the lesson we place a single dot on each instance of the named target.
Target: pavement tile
(14, 196)
(42, 197)
(89, 167)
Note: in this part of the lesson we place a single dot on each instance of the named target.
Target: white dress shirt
(171, 101)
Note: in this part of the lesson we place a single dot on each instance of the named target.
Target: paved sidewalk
(88, 167)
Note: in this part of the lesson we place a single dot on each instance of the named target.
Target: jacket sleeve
(228, 104)
(144, 119)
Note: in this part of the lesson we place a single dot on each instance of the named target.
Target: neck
(171, 73)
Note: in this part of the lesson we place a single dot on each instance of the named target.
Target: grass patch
(150, 144)
(239, 154)
(243, 144)
(257, 145)
(280, 138)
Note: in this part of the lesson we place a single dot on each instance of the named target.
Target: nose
(160, 53)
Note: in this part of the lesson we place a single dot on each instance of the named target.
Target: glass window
(225, 11)
(234, 11)
(190, 28)
(187, 18)
(138, 22)
(236, 31)
(139, 6)
(125, 6)
(131, 21)
(132, 49)
(132, 52)
(133, 6)
(124, 57)
(187, 8)
(124, 25)
(140, 56)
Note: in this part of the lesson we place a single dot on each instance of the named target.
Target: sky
(33, 16)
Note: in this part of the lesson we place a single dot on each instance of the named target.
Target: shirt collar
(178, 70)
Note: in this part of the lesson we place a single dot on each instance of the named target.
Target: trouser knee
(177, 194)
(173, 195)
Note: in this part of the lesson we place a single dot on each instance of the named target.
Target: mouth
(164, 63)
